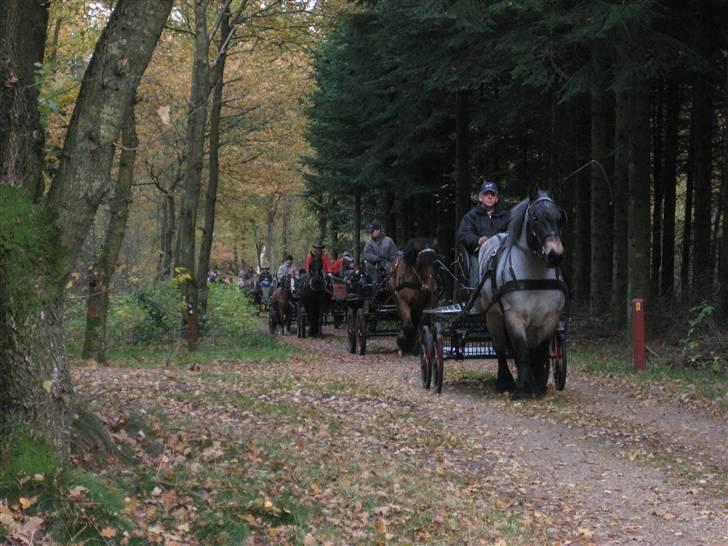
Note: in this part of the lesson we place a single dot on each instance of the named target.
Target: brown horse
(415, 285)
(281, 308)
(314, 297)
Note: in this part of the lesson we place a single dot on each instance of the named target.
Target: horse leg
(539, 364)
(405, 333)
(414, 347)
(521, 353)
(504, 380)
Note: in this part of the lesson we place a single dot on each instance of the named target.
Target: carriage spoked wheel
(300, 321)
(557, 357)
(438, 358)
(351, 329)
(361, 331)
(426, 352)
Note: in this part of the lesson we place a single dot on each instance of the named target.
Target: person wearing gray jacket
(379, 251)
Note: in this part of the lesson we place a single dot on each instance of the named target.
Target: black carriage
(459, 332)
(339, 288)
(371, 311)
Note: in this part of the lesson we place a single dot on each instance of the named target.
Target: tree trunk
(601, 236)
(702, 163)
(582, 204)
(390, 214)
(168, 238)
(658, 192)
(285, 221)
(270, 222)
(620, 301)
(687, 234)
(669, 173)
(356, 227)
(22, 40)
(462, 156)
(723, 253)
(638, 230)
(195, 146)
(102, 271)
(34, 378)
(203, 264)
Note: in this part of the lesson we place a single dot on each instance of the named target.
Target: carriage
(458, 331)
(371, 311)
(453, 332)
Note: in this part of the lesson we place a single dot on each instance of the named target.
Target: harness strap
(529, 284)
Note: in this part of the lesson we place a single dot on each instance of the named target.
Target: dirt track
(600, 462)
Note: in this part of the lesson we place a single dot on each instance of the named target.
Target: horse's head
(316, 278)
(544, 220)
(419, 254)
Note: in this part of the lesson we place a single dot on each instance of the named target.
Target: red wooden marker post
(639, 353)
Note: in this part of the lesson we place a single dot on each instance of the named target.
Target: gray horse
(523, 293)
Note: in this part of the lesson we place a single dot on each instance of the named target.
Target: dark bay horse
(523, 292)
(415, 285)
(314, 296)
(281, 306)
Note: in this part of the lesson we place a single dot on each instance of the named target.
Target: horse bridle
(531, 235)
(419, 285)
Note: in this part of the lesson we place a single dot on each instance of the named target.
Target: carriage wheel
(438, 358)
(301, 321)
(557, 357)
(351, 330)
(426, 351)
(361, 331)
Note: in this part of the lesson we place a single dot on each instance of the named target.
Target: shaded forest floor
(324, 447)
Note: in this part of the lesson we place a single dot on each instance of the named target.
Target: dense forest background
(619, 108)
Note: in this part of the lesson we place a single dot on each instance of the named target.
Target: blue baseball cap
(489, 186)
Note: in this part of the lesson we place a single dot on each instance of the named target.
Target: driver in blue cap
(480, 223)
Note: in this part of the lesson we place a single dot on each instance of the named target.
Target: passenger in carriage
(286, 268)
(480, 223)
(344, 266)
(379, 251)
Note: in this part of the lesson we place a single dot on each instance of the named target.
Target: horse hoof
(521, 395)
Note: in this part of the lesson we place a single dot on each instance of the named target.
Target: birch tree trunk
(102, 271)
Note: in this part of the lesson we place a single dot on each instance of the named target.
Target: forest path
(601, 462)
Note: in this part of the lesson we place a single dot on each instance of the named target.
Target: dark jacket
(477, 222)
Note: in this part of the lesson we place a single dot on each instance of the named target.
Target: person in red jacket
(318, 249)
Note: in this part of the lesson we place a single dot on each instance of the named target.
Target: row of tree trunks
(102, 271)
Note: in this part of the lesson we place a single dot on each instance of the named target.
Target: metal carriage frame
(372, 311)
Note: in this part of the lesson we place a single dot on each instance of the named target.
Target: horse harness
(515, 284)
(409, 284)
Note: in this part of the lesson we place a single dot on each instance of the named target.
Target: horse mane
(413, 248)
(516, 217)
